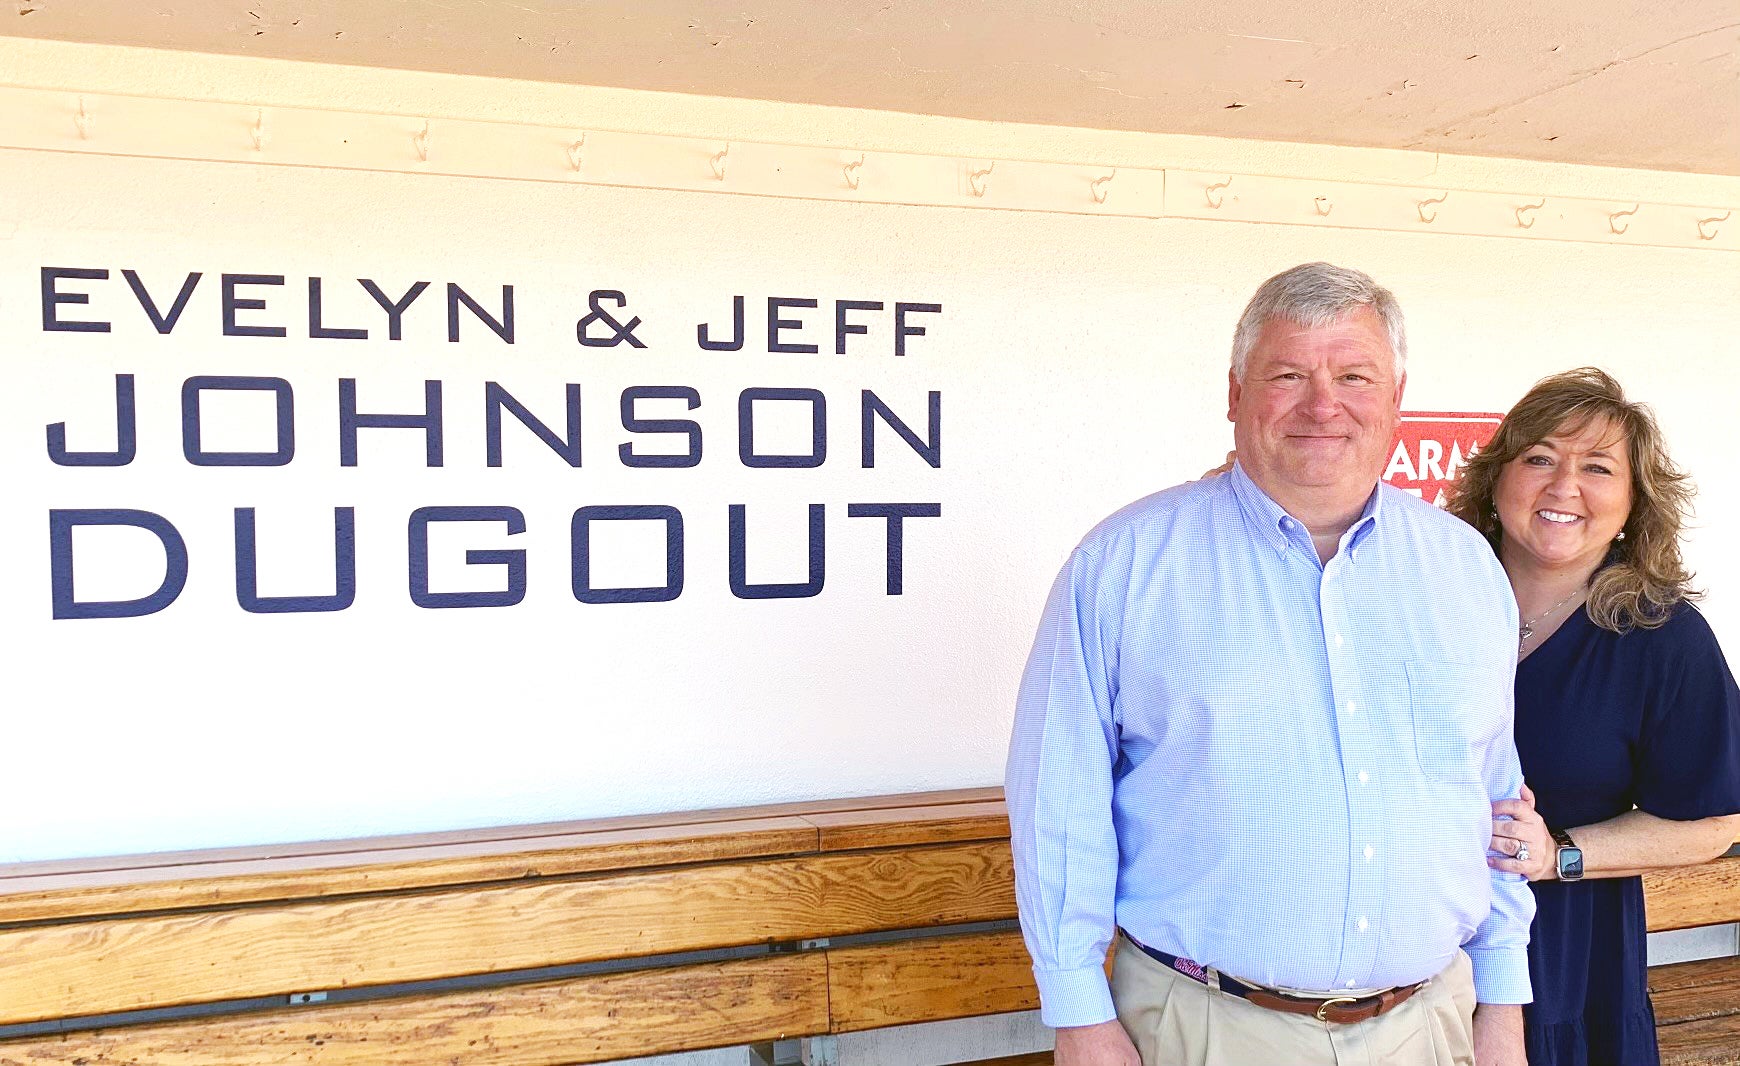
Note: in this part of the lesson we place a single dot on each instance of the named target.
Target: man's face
(1318, 407)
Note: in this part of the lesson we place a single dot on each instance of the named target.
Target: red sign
(1432, 447)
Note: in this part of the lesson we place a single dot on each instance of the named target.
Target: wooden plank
(1715, 1042)
(60, 896)
(589, 1019)
(1693, 896)
(1674, 976)
(1694, 991)
(69, 969)
(505, 835)
(907, 826)
(929, 980)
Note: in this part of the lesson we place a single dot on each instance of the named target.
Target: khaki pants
(1175, 1021)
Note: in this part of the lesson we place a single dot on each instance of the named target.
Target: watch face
(1570, 863)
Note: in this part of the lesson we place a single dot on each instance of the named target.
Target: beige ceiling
(1652, 85)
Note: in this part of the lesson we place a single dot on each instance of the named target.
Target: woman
(1627, 717)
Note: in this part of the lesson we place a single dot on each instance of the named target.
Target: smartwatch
(1570, 860)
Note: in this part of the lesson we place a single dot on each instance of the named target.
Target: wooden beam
(907, 826)
(509, 836)
(927, 980)
(223, 876)
(71, 969)
(306, 877)
(589, 1019)
(1693, 895)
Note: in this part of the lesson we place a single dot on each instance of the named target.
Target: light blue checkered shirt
(1278, 768)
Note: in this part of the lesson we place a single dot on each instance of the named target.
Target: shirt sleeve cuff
(1075, 997)
(1501, 975)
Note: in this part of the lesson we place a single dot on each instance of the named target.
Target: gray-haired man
(1259, 734)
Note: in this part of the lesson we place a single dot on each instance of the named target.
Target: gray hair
(1316, 294)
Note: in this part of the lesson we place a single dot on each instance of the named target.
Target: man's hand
(1498, 1035)
(1106, 1044)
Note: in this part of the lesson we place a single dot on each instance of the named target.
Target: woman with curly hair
(1627, 716)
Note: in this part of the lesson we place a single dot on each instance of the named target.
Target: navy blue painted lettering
(496, 398)
(514, 559)
(842, 328)
(53, 298)
(735, 343)
(60, 557)
(895, 513)
(190, 421)
(660, 425)
(319, 330)
(395, 309)
(343, 565)
(233, 303)
(746, 428)
(739, 552)
(126, 434)
(161, 322)
(349, 421)
(503, 328)
(777, 325)
(902, 330)
(581, 539)
(872, 407)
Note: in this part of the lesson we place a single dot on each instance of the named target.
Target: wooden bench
(1697, 1004)
(585, 942)
(572, 943)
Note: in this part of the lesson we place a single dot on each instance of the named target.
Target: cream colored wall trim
(156, 127)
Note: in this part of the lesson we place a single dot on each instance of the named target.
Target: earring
(1621, 536)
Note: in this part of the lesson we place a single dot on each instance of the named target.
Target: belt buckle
(1323, 1008)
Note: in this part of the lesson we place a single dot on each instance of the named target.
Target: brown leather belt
(1342, 1010)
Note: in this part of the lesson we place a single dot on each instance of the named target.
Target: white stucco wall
(1080, 362)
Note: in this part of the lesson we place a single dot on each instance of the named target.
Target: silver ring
(1522, 853)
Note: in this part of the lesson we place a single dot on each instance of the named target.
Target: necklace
(1527, 629)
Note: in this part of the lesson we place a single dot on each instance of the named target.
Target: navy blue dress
(1605, 721)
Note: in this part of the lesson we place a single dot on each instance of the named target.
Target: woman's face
(1563, 500)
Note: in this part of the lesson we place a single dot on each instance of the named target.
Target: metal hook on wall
(1613, 219)
(1097, 187)
(977, 179)
(1525, 223)
(258, 131)
(1421, 205)
(717, 162)
(1323, 205)
(421, 143)
(851, 171)
(1220, 187)
(1711, 235)
(574, 150)
(83, 121)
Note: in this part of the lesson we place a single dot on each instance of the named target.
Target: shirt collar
(1278, 528)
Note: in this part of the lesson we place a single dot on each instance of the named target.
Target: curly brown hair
(1643, 576)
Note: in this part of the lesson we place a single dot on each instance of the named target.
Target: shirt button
(1364, 777)
(1352, 706)
(1369, 852)
(1338, 640)
(1363, 925)
(1350, 984)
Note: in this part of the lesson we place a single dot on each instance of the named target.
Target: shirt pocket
(1457, 715)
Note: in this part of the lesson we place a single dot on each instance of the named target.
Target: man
(1260, 732)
